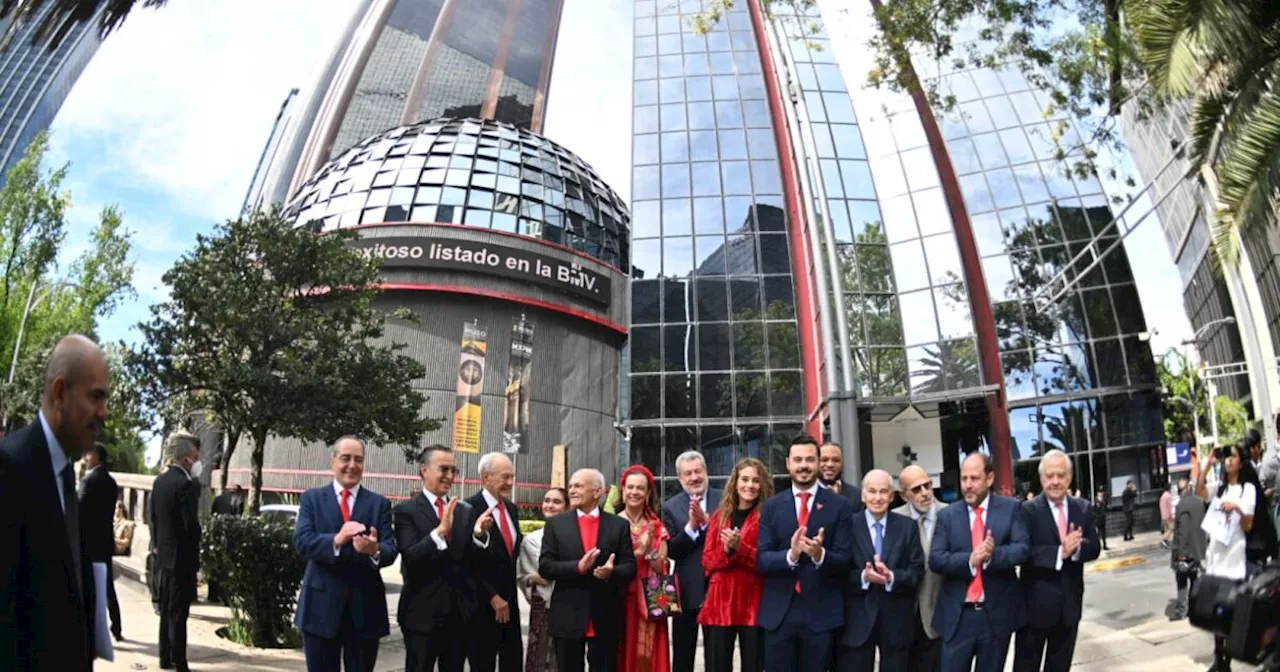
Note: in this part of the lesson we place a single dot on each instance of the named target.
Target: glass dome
(470, 172)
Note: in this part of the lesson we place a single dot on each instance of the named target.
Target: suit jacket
(927, 594)
(1056, 593)
(98, 493)
(905, 559)
(228, 504)
(175, 523)
(578, 597)
(821, 593)
(734, 586)
(46, 622)
(949, 556)
(348, 581)
(686, 552)
(497, 574)
(1188, 538)
(439, 585)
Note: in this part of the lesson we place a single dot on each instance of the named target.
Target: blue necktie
(880, 540)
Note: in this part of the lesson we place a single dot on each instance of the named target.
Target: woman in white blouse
(539, 654)
(1236, 498)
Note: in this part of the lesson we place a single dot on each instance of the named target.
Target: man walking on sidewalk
(1189, 544)
(98, 493)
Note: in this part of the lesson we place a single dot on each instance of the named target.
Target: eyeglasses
(447, 470)
(921, 487)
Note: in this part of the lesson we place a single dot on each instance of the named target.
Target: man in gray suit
(921, 507)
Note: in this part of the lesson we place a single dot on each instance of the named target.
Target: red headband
(637, 469)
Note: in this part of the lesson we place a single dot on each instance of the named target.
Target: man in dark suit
(344, 534)
(923, 509)
(977, 548)
(886, 566)
(229, 503)
(831, 462)
(588, 554)
(98, 493)
(441, 543)
(1063, 538)
(176, 524)
(495, 636)
(46, 579)
(806, 536)
(685, 516)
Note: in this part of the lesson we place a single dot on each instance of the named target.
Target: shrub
(527, 526)
(254, 560)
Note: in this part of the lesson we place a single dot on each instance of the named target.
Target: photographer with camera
(1228, 523)
(1188, 544)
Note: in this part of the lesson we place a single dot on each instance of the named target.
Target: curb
(1127, 551)
(1117, 563)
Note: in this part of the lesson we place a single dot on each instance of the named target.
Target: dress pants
(975, 637)
(113, 603)
(1128, 526)
(446, 645)
(863, 658)
(793, 646)
(719, 648)
(684, 640)
(601, 654)
(177, 592)
(348, 650)
(1055, 645)
(495, 644)
(924, 653)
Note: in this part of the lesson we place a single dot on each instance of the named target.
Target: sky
(170, 117)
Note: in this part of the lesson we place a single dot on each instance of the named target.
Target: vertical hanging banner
(515, 421)
(466, 418)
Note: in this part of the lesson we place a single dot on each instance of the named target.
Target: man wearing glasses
(921, 507)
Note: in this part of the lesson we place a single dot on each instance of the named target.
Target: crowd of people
(823, 575)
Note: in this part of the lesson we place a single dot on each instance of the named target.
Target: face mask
(196, 469)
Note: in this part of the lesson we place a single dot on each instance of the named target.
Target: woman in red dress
(645, 646)
(729, 560)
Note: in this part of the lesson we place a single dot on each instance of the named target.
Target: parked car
(281, 513)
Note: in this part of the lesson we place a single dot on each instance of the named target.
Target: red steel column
(801, 263)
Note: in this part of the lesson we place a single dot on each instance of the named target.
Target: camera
(1247, 614)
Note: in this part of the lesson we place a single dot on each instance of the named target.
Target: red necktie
(345, 505)
(803, 520)
(440, 508)
(589, 530)
(506, 533)
(977, 535)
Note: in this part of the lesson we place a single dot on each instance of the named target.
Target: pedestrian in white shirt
(1236, 498)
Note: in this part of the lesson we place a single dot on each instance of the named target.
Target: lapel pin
(819, 506)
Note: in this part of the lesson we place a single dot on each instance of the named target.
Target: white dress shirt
(594, 513)
(441, 543)
(884, 530)
(813, 503)
(351, 506)
(58, 458)
(490, 502)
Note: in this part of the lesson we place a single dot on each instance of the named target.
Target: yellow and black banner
(515, 416)
(466, 419)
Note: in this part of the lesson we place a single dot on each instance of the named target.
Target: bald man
(923, 508)
(46, 581)
(884, 571)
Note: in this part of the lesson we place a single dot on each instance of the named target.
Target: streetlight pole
(1210, 388)
(32, 301)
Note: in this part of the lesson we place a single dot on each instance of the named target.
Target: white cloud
(180, 100)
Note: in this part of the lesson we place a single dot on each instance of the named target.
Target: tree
(1186, 396)
(272, 326)
(65, 15)
(128, 419)
(40, 300)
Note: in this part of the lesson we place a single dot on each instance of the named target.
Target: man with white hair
(1063, 538)
(495, 636)
(685, 516)
(885, 567)
(588, 554)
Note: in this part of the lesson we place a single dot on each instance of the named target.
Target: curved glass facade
(714, 353)
(472, 172)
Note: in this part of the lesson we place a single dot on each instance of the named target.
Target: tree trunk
(233, 438)
(255, 473)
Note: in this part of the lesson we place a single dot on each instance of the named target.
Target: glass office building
(35, 80)
(916, 238)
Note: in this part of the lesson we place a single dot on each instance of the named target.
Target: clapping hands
(367, 544)
(877, 572)
(1072, 543)
(982, 554)
(810, 546)
(731, 537)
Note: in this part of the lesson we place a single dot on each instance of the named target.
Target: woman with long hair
(645, 646)
(1237, 497)
(539, 652)
(729, 561)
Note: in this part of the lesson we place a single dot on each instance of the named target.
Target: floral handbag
(661, 596)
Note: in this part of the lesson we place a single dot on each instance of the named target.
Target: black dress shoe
(117, 634)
